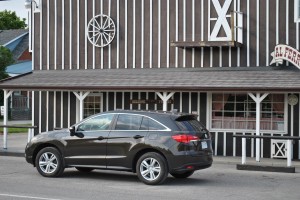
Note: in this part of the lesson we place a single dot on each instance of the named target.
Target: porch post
(258, 99)
(81, 96)
(7, 94)
(165, 97)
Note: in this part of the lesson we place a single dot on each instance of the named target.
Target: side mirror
(72, 130)
(79, 134)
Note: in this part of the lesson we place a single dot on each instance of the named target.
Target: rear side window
(128, 122)
(190, 125)
(150, 124)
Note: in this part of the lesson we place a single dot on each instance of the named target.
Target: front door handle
(101, 138)
(138, 136)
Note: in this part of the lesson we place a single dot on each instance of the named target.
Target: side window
(149, 124)
(98, 123)
(128, 122)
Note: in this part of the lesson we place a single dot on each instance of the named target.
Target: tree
(6, 58)
(9, 20)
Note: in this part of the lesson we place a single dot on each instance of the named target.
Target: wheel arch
(142, 152)
(42, 146)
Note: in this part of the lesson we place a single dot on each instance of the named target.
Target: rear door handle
(138, 136)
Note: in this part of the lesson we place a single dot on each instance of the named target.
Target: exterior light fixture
(28, 3)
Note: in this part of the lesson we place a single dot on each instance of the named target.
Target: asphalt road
(19, 180)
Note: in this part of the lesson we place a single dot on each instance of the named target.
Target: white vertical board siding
(71, 35)
(142, 33)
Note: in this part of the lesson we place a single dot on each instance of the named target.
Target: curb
(13, 154)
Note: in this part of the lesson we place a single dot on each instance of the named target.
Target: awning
(250, 79)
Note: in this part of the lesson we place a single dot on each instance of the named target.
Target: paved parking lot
(19, 180)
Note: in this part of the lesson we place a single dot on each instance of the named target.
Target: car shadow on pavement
(128, 177)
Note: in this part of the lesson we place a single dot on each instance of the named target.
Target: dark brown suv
(151, 144)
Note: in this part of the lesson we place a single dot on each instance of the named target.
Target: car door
(91, 149)
(124, 140)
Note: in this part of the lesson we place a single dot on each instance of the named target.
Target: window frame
(210, 117)
(296, 11)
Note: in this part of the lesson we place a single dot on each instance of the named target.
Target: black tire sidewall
(163, 165)
(60, 168)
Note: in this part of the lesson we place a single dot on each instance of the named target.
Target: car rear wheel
(183, 175)
(84, 169)
(49, 162)
(152, 168)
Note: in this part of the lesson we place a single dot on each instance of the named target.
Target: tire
(84, 169)
(49, 162)
(183, 175)
(157, 165)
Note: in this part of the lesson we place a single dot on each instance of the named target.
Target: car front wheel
(152, 168)
(49, 162)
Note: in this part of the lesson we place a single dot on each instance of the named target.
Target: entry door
(91, 149)
(124, 141)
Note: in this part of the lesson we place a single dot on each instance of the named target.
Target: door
(124, 141)
(91, 149)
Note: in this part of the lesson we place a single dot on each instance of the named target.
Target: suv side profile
(151, 144)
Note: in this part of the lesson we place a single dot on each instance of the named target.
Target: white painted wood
(63, 36)
(224, 144)
(118, 34)
(32, 31)
(198, 106)
(142, 33)
(190, 102)
(243, 151)
(54, 109)
(101, 51)
(107, 101)
(202, 29)
(55, 35)
(47, 111)
(48, 33)
(139, 97)
(7, 94)
(123, 100)
(115, 100)
(32, 107)
(176, 21)
(220, 56)
(126, 33)
(258, 98)
(151, 33)
(78, 35)
(184, 33)
(40, 112)
(109, 47)
(165, 97)
(248, 33)
(94, 59)
(239, 32)
(131, 98)
(71, 34)
(80, 96)
(85, 36)
(41, 38)
(211, 57)
(168, 34)
(159, 34)
(61, 109)
(69, 109)
(216, 144)
(257, 33)
(147, 97)
(193, 32)
(180, 104)
(133, 35)
(289, 153)
(234, 147)
(267, 31)
(221, 21)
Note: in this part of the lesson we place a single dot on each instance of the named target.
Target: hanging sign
(149, 101)
(284, 52)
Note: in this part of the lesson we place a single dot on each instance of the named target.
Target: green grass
(17, 130)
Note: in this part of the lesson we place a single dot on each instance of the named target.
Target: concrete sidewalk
(16, 143)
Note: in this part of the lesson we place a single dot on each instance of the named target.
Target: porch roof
(276, 79)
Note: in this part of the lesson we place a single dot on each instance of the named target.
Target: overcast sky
(15, 5)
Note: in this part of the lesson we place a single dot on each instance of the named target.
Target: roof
(8, 36)
(283, 79)
(20, 68)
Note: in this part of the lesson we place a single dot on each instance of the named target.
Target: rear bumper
(190, 163)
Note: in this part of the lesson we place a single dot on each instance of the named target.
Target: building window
(297, 10)
(238, 111)
(92, 104)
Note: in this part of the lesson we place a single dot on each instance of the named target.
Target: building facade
(210, 58)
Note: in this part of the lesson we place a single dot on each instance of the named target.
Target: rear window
(190, 125)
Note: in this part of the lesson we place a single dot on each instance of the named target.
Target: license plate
(204, 145)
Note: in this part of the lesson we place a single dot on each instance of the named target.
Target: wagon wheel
(101, 30)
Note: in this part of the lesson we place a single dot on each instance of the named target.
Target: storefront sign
(284, 52)
(149, 101)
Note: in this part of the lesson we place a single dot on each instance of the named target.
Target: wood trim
(191, 44)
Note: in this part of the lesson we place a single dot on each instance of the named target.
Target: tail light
(185, 138)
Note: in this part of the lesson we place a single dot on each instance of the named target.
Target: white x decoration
(221, 21)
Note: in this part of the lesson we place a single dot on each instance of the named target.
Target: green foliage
(6, 58)
(9, 20)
